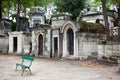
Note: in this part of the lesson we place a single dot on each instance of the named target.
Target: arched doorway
(70, 41)
(40, 45)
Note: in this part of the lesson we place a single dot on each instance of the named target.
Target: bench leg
(16, 67)
(29, 70)
(23, 69)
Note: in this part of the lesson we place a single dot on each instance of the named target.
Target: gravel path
(48, 69)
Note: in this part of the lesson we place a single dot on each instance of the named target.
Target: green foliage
(13, 26)
(6, 5)
(27, 3)
(20, 6)
(98, 3)
(72, 7)
(114, 1)
(108, 2)
(42, 3)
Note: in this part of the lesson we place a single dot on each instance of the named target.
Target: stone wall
(23, 42)
(47, 44)
(3, 44)
(26, 44)
(87, 44)
(108, 50)
(19, 36)
(1, 32)
(94, 16)
(56, 24)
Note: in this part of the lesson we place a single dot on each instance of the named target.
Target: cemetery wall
(87, 44)
(3, 44)
(108, 50)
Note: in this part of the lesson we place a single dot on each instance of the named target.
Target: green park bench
(23, 65)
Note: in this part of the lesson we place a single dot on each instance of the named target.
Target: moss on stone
(90, 27)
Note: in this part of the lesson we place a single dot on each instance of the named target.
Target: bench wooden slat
(28, 58)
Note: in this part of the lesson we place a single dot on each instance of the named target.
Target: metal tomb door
(15, 44)
(55, 47)
(70, 41)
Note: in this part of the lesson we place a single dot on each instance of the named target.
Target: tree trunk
(24, 11)
(18, 15)
(0, 9)
(8, 13)
(119, 10)
(105, 13)
(105, 18)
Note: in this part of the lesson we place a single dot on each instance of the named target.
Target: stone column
(19, 42)
(76, 44)
(10, 44)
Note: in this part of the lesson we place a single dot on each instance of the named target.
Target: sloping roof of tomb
(27, 33)
(56, 15)
(109, 12)
(91, 14)
(5, 22)
(23, 18)
(42, 26)
(2, 36)
(15, 33)
(88, 26)
(4, 19)
(20, 33)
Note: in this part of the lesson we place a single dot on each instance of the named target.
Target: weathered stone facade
(109, 52)
(5, 26)
(69, 42)
(41, 41)
(24, 24)
(19, 42)
(62, 39)
(4, 44)
(93, 16)
(37, 17)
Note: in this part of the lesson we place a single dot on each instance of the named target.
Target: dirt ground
(49, 69)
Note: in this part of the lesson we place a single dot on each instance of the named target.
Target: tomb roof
(37, 11)
(88, 26)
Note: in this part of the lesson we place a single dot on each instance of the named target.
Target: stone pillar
(76, 44)
(64, 46)
(10, 44)
(33, 41)
(19, 42)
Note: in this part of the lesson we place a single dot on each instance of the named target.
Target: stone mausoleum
(19, 42)
(62, 39)
(71, 39)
